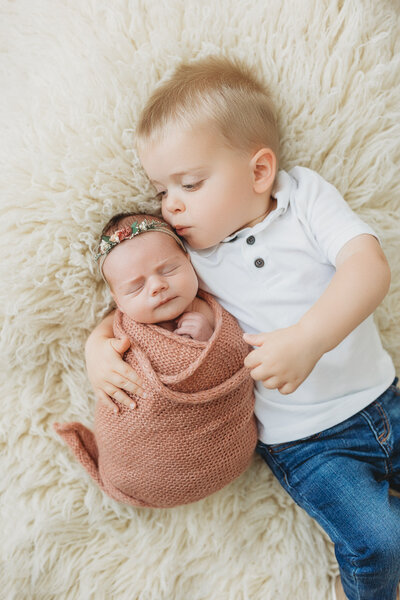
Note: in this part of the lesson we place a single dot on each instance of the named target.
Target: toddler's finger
(129, 386)
(124, 399)
(102, 396)
(254, 339)
(260, 373)
(252, 359)
(120, 345)
(272, 383)
(115, 393)
(124, 377)
(125, 371)
(287, 388)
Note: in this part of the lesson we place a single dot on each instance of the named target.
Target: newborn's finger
(188, 318)
(183, 331)
(181, 322)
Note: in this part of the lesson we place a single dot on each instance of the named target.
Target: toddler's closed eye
(192, 186)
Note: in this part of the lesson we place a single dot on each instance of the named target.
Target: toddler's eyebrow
(181, 173)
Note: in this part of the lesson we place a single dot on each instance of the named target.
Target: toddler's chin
(200, 244)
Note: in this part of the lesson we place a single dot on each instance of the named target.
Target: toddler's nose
(173, 203)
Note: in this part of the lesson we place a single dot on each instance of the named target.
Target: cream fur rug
(74, 76)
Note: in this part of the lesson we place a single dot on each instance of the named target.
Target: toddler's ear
(263, 165)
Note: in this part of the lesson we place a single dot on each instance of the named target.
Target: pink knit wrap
(193, 434)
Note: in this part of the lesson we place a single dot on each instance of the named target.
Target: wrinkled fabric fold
(193, 434)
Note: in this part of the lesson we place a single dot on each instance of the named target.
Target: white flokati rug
(74, 76)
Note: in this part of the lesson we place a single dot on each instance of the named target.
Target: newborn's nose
(157, 285)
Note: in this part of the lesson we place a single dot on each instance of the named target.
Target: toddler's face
(206, 188)
(151, 278)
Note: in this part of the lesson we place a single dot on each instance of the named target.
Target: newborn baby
(195, 431)
(160, 264)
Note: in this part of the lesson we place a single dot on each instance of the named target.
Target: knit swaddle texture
(193, 434)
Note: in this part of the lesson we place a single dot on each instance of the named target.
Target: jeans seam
(386, 423)
(367, 418)
(295, 443)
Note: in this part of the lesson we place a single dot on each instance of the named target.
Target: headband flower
(108, 242)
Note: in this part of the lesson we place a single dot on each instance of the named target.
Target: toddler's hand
(284, 358)
(195, 325)
(110, 376)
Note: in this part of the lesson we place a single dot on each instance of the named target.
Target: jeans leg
(338, 478)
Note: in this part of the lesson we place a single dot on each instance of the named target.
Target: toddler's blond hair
(217, 92)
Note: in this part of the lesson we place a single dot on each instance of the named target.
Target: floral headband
(108, 242)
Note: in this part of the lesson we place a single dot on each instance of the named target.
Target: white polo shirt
(269, 275)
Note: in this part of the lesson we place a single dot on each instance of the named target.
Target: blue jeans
(341, 477)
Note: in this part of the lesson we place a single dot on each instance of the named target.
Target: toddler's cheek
(165, 215)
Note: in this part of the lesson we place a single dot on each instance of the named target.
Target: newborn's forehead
(143, 251)
(155, 244)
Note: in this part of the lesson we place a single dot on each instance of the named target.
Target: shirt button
(259, 263)
(251, 239)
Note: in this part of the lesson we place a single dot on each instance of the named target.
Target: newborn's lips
(164, 301)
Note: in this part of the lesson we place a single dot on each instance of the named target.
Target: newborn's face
(151, 278)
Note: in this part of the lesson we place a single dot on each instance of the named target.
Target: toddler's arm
(285, 357)
(110, 376)
(361, 282)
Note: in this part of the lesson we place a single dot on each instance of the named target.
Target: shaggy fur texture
(74, 76)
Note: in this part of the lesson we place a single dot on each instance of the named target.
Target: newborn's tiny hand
(195, 325)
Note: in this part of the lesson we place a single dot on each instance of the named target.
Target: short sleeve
(328, 216)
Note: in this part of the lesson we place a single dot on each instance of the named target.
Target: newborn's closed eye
(134, 290)
(169, 270)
